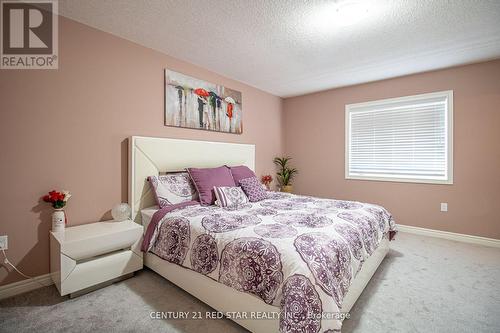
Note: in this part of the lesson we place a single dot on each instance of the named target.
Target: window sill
(401, 180)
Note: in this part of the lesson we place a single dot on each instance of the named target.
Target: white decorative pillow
(173, 188)
(230, 196)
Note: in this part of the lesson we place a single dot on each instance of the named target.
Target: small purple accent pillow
(241, 172)
(205, 179)
(230, 196)
(253, 189)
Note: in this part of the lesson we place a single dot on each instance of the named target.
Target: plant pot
(287, 188)
(58, 220)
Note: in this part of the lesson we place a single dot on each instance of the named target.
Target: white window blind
(401, 139)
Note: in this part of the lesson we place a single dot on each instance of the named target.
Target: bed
(281, 229)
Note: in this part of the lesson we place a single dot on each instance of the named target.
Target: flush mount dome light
(340, 13)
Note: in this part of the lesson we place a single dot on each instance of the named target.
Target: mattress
(295, 252)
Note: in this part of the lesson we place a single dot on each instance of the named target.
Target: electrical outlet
(4, 245)
(444, 206)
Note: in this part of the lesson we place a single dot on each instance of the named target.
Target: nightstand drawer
(90, 240)
(101, 269)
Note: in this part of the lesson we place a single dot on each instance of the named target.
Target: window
(407, 139)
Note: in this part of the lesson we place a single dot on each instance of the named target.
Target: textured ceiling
(292, 47)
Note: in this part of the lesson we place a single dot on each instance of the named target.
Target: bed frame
(151, 156)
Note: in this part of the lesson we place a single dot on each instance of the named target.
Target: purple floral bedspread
(295, 252)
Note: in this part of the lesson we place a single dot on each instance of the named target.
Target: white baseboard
(450, 235)
(23, 286)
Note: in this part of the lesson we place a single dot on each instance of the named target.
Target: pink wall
(67, 129)
(314, 137)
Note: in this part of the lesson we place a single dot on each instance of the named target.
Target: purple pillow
(241, 172)
(253, 189)
(205, 179)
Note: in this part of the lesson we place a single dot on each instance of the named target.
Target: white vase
(58, 220)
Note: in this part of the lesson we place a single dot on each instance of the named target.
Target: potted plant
(285, 173)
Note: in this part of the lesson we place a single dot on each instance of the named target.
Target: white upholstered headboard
(150, 156)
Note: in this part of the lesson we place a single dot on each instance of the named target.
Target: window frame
(350, 108)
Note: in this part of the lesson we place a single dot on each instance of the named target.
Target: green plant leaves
(285, 173)
(59, 204)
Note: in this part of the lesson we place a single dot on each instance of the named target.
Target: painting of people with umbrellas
(194, 103)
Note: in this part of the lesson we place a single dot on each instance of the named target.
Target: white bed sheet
(147, 215)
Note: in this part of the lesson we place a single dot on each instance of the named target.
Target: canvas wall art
(194, 103)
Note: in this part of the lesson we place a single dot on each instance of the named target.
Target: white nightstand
(86, 256)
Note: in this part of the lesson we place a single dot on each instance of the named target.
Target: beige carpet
(424, 285)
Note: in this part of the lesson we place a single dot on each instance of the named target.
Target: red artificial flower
(56, 199)
(267, 179)
(230, 110)
(54, 196)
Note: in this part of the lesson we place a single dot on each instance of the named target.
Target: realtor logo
(29, 34)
